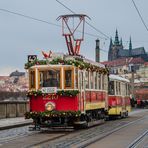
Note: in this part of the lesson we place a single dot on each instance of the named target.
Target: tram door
(81, 89)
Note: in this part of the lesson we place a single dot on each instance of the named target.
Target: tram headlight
(50, 106)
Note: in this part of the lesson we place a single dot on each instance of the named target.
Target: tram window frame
(87, 79)
(95, 80)
(99, 81)
(91, 80)
(76, 78)
(116, 87)
(102, 77)
(72, 77)
(81, 77)
(106, 82)
(127, 89)
(123, 89)
(111, 90)
(32, 80)
(47, 76)
(119, 87)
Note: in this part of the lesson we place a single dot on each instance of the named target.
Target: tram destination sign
(31, 58)
(49, 90)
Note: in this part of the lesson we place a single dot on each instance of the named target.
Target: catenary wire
(106, 37)
(140, 15)
(40, 20)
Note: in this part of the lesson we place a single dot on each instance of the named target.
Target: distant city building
(16, 82)
(117, 51)
(17, 74)
(124, 65)
(143, 70)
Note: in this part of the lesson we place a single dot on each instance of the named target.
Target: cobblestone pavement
(14, 133)
(10, 134)
(10, 122)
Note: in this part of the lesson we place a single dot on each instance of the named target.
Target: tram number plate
(49, 90)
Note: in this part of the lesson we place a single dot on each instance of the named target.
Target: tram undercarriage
(88, 119)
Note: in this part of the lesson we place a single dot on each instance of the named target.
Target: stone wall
(10, 109)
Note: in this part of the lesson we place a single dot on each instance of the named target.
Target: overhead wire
(39, 20)
(106, 36)
(140, 15)
(29, 17)
(87, 24)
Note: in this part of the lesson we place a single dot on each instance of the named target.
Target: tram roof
(119, 78)
(68, 57)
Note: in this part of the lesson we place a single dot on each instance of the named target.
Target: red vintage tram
(67, 91)
(70, 90)
(118, 98)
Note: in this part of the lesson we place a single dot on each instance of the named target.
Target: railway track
(139, 140)
(84, 138)
(68, 139)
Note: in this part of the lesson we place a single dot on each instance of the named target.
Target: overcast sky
(20, 36)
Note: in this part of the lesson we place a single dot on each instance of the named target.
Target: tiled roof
(146, 63)
(138, 51)
(142, 91)
(135, 52)
(4, 77)
(123, 61)
(123, 52)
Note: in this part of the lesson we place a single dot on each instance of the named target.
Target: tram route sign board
(31, 58)
(49, 90)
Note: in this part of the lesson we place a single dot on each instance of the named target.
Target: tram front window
(32, 79)
(50, 78)
(68, 76)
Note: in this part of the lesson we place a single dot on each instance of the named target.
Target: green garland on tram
(67, 93)
(50, 114)
(78, 63)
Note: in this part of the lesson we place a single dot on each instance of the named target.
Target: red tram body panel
(37, 103)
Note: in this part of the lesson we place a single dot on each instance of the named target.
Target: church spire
(121, 42)
(116, 42)
(111, 43)
(130, 47)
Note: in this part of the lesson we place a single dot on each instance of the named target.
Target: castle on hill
(117, 51)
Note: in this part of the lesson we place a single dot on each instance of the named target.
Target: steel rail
(85, 138)
(138, 140)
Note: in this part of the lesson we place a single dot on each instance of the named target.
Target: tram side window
(50, 78)
(96, 82)
(91, 80)
(68, 78)
(123, 89)
(127, 89)
(81, 80)
(87, 79)
(76, 78)
(119, 88)
(105, 82)
(102, 82)
(32, 79)
(111, 88)
(99, 81)
(117, 92)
